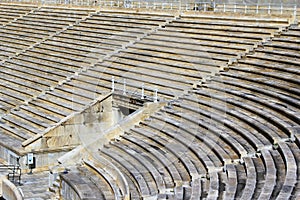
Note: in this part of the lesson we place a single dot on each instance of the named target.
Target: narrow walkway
(35, 186)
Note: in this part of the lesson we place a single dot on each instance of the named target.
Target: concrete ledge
(9, 190)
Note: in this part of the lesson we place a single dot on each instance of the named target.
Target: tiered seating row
(240, 116)
(171, 48)
(10, 12)
(59, 57)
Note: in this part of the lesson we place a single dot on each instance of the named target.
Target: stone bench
(17, 128)
(44, 70)
(21, 43)
(139, 153)
(89, 90)
(7, 17)
(63, 10)
(83, 57)
(254, 37)
(280, 172)
(53, 55)
(91, 24)
(54, 24)
(294, 147)
(227, 31)
(42, 57)
(278, 76)
(15, 132)
(215, 132)
(21, 123)
(132, 17)
(36, 75)
(79, 186)
(22, 28)
(18, 7)
(39, 24)
(196, 189)
(131, 85)
(61, 68)
(128, 168)
(21, 34)
(28, 31)
(230, 182)
(48, 107)
(152, 178)
(101, 182)
(92, 48)
(217, 25)
(284, 45)
(14, 93)
(13, 11)
(34, 26)
(151, 15)
(7, 49)
(205, 42)
(131, 186)
(133, 75)
(6, 52)
(270, 175)
(188, 48)
(207, 37)
(214, 184)
(100, 38)
(63, 102)
(82, 44)
(272, 107)
(174, 152)
(20, 79)
(198, 69)
(105, 31)
(203, 53)
(282, 56)
(197, 141)
(19, 84)
(129, 21)
(252, 62)
(228, 122)
(77, 92)
(250, 186)
(35, 111)
(291, 171)
(182, 144)
(279, 60)
(94, 52)
(184, 76)
(166, 179)
(173, 57)
(271, 135)
(176, 169)
(236, 20)
(53, 18)
(71, 96)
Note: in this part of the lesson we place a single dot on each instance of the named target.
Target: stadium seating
(230, 126)
(233, 135)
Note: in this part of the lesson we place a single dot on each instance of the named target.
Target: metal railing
(195, 5)
(14, 172)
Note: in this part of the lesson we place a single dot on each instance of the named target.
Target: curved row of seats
(221, 140)
(10, 12)
(31, 79)
(26, 110)
(36, 68)
(236, 136)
